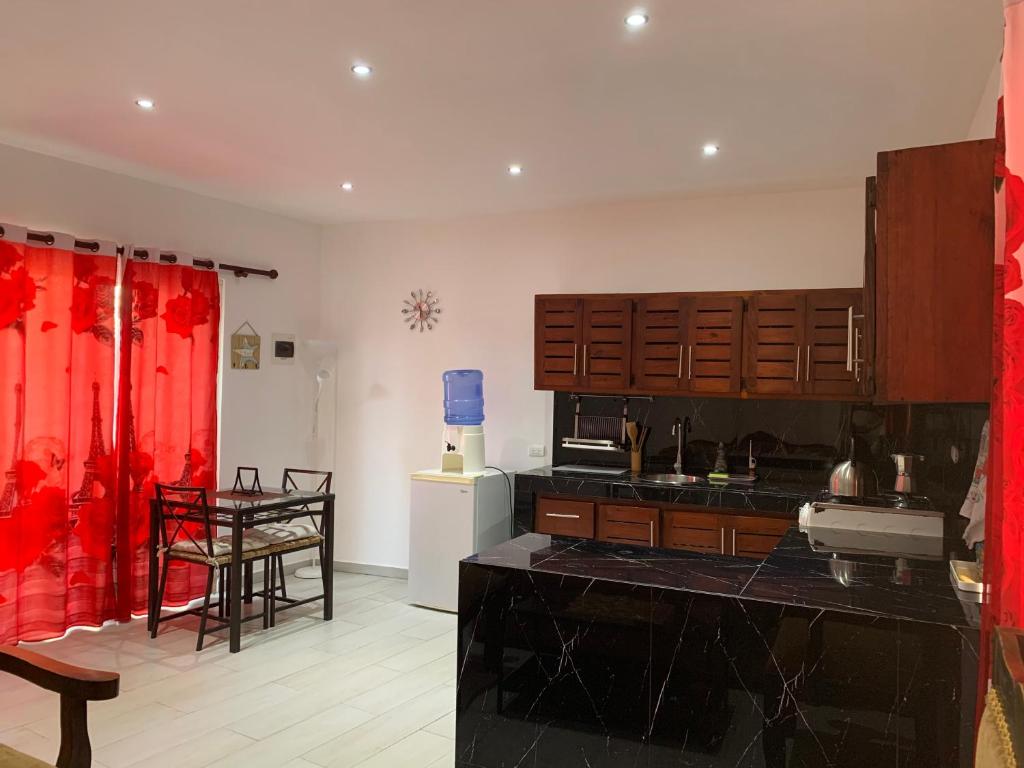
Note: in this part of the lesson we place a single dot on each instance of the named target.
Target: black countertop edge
(790, 490)
(864, 586)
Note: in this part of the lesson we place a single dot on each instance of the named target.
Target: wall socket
(537, 451)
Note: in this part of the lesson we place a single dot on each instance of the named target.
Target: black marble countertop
(793, 574)
(770, 495)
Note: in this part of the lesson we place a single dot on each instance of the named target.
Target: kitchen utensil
(904, 467)
(851, 477)
(631, 432)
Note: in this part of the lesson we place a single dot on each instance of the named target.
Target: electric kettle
(851, 478)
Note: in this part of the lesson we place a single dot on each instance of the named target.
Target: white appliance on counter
(452, 516)
(879, 530)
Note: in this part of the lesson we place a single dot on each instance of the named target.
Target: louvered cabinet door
(714, 352)
(834, 343)
(660, 341)
(607, 333)
(775, 325)
(557, 343)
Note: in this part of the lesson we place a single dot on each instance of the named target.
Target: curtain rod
(143, 255)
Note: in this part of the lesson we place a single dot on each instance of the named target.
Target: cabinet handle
(584, 361)
(574, 359)
(721, 545)
(689, 362)
(561, 514)
(734, 541)
(680, 362)
(850, 354)
(807, 373)
(797, 377)
(652, 533)
(856, 356)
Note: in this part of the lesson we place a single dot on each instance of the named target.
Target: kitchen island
(584, 653)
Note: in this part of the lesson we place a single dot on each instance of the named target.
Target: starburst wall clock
(422, 311)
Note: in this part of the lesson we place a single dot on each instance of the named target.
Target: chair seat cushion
(12, 758)
(252, 539)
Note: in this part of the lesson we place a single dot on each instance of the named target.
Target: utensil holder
(635, 461)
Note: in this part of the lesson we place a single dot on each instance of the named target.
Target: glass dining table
(237, 511)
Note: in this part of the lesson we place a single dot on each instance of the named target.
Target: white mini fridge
(451, 517)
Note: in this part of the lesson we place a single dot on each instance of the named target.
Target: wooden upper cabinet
(714, 353)
(607, 334)
(582, 343)
(834, 343)
(934, 273)
(661, 336)
(557, 343)
(775, 330)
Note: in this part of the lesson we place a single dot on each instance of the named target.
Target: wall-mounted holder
(253, 489)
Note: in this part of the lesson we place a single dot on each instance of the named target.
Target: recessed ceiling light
(347, 186)
(362, 70)
(710, 149)
(637, 19)
(146, 104)
(515, 170)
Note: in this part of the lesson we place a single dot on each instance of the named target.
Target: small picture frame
(245, 348)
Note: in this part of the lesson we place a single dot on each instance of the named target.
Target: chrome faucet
(679, 430)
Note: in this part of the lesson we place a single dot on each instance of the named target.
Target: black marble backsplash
(796, 440)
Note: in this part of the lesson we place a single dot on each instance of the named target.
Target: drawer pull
(561, 514)
(680, 362)
(734, 541)
(652, 533)
(721, 546)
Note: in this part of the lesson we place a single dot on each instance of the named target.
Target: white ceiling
(255, 101)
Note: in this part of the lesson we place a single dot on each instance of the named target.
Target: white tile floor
(375, 687)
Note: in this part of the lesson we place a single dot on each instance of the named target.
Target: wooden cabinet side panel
(934, 273)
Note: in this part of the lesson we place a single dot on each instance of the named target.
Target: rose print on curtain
(172, 328)
(56, 410)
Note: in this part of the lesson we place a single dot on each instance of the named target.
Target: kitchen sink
(669, 479)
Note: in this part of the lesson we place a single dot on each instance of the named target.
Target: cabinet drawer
(560, 517)
(693, 531)
(752, 536)
(628, 525)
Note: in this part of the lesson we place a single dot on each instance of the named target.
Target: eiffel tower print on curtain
(85, 494)
(9, 499)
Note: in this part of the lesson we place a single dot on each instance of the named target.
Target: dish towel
(974, 505)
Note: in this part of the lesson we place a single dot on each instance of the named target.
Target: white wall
(487, 271)
(983, 124)
(263, 415)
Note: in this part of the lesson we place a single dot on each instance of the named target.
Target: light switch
(537, 451)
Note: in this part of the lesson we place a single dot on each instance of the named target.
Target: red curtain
(169, 383)
(1004, 516)
(56, 410)
(74, 523)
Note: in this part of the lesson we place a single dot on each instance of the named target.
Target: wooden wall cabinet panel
(715, 350)
(661, 338)
(933, 267)
(607, 334)
(639, 526)
(775, 330)
(564, 517)
(834, 343)
(558, 339)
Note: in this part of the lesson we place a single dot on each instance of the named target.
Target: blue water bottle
(463, 397)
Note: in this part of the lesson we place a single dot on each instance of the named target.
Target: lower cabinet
(752, 536)
(562, 517)
(629, 525)
(693, 529)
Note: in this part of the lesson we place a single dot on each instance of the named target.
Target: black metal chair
(76, 686)
(187, 534)
(318, 481)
